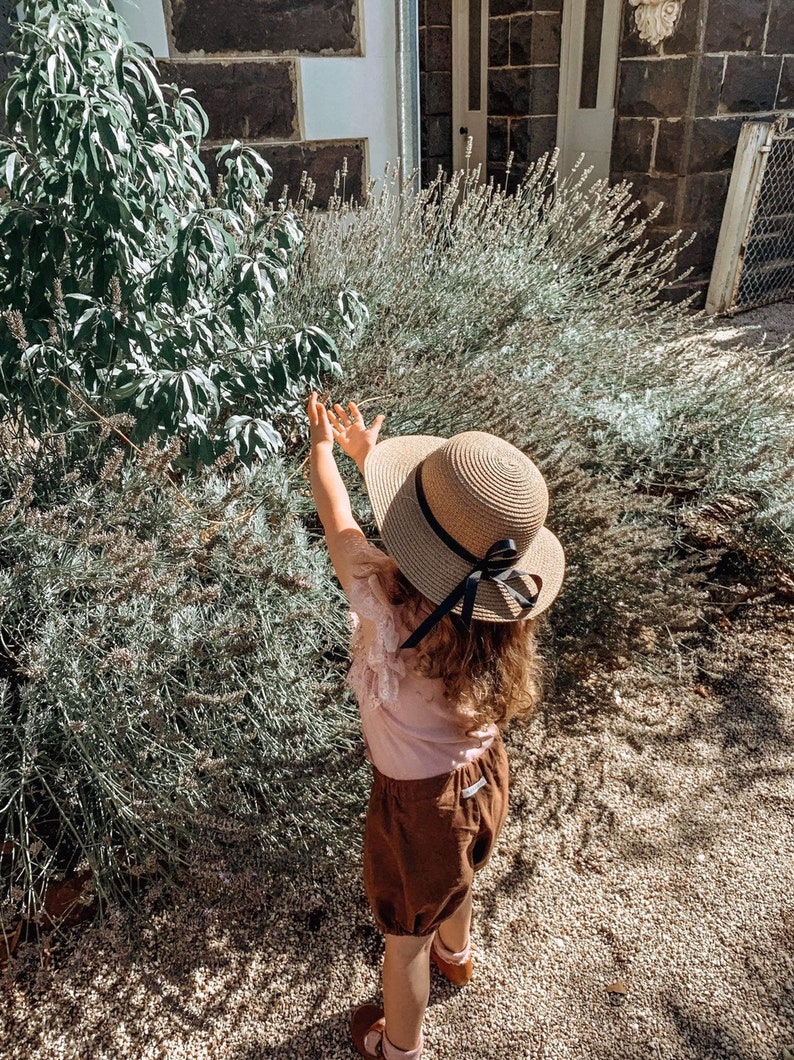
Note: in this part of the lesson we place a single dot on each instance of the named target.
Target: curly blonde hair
(492, 672)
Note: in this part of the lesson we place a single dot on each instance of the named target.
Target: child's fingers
(354, 411)
(334, 420)
(343, 414)
(377, 423)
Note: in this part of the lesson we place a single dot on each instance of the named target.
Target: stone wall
(681, 104)
(435, 86)
(241, 60)
(523, 82)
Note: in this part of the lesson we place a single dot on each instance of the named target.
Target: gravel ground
(650, 846)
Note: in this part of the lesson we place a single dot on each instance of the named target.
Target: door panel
(588, 73)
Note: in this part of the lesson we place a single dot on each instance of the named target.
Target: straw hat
(449, 510)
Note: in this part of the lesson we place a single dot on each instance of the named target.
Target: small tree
(123, 278)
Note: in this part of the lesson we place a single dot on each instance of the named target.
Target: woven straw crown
(480, 489)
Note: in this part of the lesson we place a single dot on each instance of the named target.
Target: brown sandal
(367, 1027)
(457, 974)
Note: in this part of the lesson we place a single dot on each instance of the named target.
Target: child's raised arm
(330, 495)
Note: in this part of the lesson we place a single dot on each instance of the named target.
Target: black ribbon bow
(495, 566)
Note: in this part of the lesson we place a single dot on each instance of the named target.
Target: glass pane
(475, 53)
(591, 54)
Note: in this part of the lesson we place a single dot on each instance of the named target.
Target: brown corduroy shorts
(425, 839)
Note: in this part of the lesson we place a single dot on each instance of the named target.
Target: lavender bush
(171, 666)
(541, 316)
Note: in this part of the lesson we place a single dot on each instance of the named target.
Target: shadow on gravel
(321, 1038)
(704, 1038)
(636, 774)
(748, 719)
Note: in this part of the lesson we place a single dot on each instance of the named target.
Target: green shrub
(171, 666)
(123, 278)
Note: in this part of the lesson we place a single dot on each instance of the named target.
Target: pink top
(410, 728)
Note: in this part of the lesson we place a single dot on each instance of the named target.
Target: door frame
(476, 122)
(571, 61)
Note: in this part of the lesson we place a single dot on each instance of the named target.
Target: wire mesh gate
(754, 263)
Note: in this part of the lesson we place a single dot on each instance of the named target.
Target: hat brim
(429, 564)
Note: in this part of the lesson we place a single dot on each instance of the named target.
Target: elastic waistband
(462, 777)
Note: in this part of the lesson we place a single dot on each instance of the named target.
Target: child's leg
(406, 988)
(453, 933)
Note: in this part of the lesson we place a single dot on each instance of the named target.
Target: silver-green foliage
(122, 277)
(171, 666)
(540, 315)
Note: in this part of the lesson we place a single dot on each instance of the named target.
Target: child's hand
(319, 424)
(352, 433)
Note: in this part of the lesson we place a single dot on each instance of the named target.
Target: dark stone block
(735, 25)
(699, 255)
(547, 5)
(704, 197)
(508, 92)
(684, 38)
(508, 7)
(532, 138)
(498, 141)
(780, 34)
(631, 145)
(439, 13)
(546, 40)
(713, 144)
(653, 192)
(692, 291)
(243, 100)
(631, 47)
(438, 134)
(422, 49)
(264, 26)
(785, 92)
(499, 42)
(439, 49)
(544, 90)
(669, 157)
(431, 166)
(321, 159)
(519, 142)
(521, 28)
(436, 93)
(656, 88)
(709, 85)
(656, 236)
(750, 84)
(509, 182)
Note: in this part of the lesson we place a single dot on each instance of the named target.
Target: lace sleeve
(377, 667)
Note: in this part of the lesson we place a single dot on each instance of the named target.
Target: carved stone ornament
(656, 19)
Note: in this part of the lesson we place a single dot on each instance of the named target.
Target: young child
(442, 655)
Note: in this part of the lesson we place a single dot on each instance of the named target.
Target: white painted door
(588, 72)
(470, 83)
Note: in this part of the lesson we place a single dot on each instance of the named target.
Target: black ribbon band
(495, 566)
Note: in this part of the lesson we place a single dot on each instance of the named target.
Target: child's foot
(366, 1029)
(457, 968)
